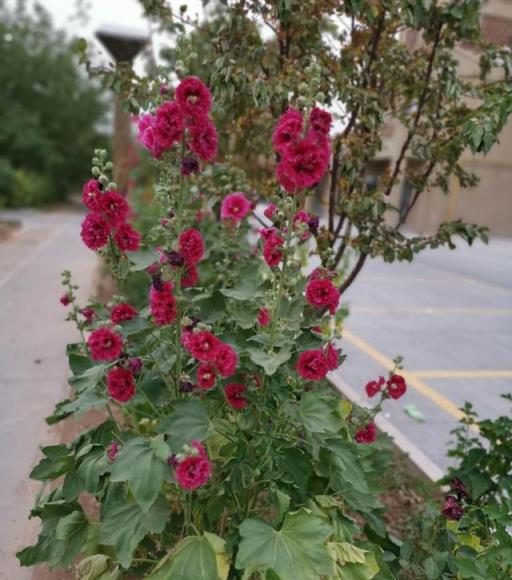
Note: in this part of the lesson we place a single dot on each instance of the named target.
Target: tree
(48, 110)
(353, 55)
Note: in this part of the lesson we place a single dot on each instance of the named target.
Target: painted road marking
(428, 310)
(412, 380)
(469, 374)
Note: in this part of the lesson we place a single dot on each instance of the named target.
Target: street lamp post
(124, 45)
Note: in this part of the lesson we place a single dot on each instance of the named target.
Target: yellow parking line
(432, 310)
(470, 374)
(412, 380)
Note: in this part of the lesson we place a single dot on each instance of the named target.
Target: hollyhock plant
(288, 130)
(322, 293)
(206, 377)
(95, 231)
(367, 434)
(396, 386)
(374, 387)
(135, 365)
(120, 385)
(203, 345)
(191, 246)
(114, 208)
(88, 314)
(122, 312)
(167, 126)
(190, 278)
(203, 139)
(332, 356)
(312, 365)
(226, 360)
(162, 304)
(194, 97)
(91, 195)
(194, 469)
(235, 395)
(235, 207)
(105, 344)
(127, 238)
(65, 299)
(263, 317)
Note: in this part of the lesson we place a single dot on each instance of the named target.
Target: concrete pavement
(449, 313)
(32, 357)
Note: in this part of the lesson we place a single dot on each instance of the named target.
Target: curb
(422, 462)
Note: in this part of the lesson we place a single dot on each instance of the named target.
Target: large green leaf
(89, 378)
(247, 288)
(352, 563)
(57, 461)
(193, 558)
(188, 421)
(142, 259)
(318, 413)
(125, 524)
(140, 463)
(86, 400)
(297, 550)
(269, 361)
(93, 466)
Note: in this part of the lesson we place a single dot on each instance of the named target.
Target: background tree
(260, 57)
(50, 113)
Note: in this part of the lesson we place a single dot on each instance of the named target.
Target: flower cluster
(321, 292)
(108, 212)
(395, 386)
(314, 365)
(220, 358)
(304, 157)
(272, 245)
(192, 468)
(162, 304)
(160, 131)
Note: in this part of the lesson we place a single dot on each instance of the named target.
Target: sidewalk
(32, 357)
(449, 314)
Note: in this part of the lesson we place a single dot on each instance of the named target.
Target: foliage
(48, 109)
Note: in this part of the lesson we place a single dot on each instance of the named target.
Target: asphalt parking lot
(449, 314)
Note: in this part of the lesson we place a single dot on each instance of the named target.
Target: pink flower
(91, 194)
(191, 277)
(95, 231)
(203, 345)
(452, 510)
(105, 344)
(120, 385)
(304, 163)
(288, 130)
(135, 365)
(191, 246)
(271, 249)
(112, 451)
(366, 435)
(322, 293)
(114, 208)
(332, 356)
(264, 317)
(270, 210)
(162, 304)
(195, 469)
(396, 386)
(127, 238)
(167, 126)
(302, 217)
(320, 120)
(206, 377)
(235, 395)
(65, 299)
(88, 314)
(122, 312)
(374, 387)
(203, 139)
(235, 207)
(312, 365)
(194, 97)
(226, 360)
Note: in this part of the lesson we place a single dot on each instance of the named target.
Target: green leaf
(90, 470)
(125, 524)
(297, 550)
(57, 461)
(345, 553)
(318, 413)
(248, 286)
(357, 570)
(139, 465)
(188, 421)
(88, 379)
(95, 567)
(269, 361)
(192, 558)
(244, 314)
(73, 530)
(85, 401)
(431, 569)
(142, 259)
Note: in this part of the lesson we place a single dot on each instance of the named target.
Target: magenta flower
(235, 207)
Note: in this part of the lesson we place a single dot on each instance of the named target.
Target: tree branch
(355, 271)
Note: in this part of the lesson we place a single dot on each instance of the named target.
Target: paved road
(32, 360)
(449, 314)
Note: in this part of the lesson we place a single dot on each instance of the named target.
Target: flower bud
(95, 161)
(109, 166)
(303, 88)
(96, 171)
(103, 179)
